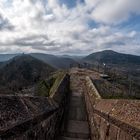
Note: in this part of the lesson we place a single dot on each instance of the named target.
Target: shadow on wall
(33, 117)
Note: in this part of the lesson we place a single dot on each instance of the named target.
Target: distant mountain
(55, 61)
(74, 57)
(112, 57)
(6, 57)
(60, 62)
(23, 71)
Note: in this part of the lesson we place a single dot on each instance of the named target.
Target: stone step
(77, 113)
(68, 138)
(77, 129)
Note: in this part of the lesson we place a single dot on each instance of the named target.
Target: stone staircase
(76, 125)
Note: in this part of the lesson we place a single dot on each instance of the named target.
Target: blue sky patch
(71, 3)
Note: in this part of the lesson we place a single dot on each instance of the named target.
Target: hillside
(23, 71)
(55, 61)
(124, 70)
(112, 57)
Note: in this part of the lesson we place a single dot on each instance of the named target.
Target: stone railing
(33, 118)
(111, 119)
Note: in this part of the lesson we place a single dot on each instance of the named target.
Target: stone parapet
(111, 119)
(33, 118)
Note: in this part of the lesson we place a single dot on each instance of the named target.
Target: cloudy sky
(69, 26)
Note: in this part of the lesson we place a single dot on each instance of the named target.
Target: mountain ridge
(22, 71)
(112, 57)
(55, 61)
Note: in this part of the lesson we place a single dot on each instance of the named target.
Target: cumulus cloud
(55, 27)
(109, 11)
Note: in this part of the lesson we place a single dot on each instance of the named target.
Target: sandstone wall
(111, 119)
(33, 118)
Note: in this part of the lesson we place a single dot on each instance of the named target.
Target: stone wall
(111, 119)
(33, 118)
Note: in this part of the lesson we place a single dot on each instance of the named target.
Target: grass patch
(48, 87)
(58, 77)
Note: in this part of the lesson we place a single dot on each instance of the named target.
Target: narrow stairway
(76, 125)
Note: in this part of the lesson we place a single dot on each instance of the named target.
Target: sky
(75, 27)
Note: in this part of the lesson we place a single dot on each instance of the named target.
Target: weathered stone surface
(12, 111)
(67, 138)
(76, 126)
(120, 116)
(127, 111)
(30, 118)
(112, 133)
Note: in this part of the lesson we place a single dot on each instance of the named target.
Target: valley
(28, 73)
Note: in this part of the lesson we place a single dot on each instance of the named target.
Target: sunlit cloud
(64, 27)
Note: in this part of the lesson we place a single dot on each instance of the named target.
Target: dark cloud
(34, 40)
(53, 46)
(5, 24)
(117, 43)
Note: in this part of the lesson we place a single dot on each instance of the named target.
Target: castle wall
(111, 119)
(33, 118)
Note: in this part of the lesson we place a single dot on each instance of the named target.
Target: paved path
(76, 127)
